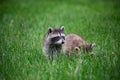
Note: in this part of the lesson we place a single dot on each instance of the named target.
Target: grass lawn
(24, 22)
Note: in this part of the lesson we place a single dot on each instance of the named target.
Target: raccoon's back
(72, 41)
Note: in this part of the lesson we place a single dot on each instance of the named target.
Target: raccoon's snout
(63, 42)
(63, 39)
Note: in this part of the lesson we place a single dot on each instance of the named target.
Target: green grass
(24, 22)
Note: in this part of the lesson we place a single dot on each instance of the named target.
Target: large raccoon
(53, 41)
(75, 44)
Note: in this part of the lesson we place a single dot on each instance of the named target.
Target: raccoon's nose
(63, 42)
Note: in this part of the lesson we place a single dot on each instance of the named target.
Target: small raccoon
(53, 41)
(74, 44)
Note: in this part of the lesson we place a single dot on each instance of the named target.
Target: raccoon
(53, 41)
(75, 44)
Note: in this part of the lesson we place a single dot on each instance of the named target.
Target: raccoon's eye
(63, 37)
(55, 39)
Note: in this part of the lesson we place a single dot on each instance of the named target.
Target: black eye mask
(63, 37)
(57, 38)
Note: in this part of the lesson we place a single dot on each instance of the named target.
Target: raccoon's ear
(93, 44)
(62, 28)
(77, 49)
(50, 29)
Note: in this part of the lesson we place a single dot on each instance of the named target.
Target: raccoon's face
(89, 47)
(56, 35)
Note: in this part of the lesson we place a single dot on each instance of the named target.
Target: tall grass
(23, 24)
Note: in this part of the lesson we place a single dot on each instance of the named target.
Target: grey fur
(53, 47)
